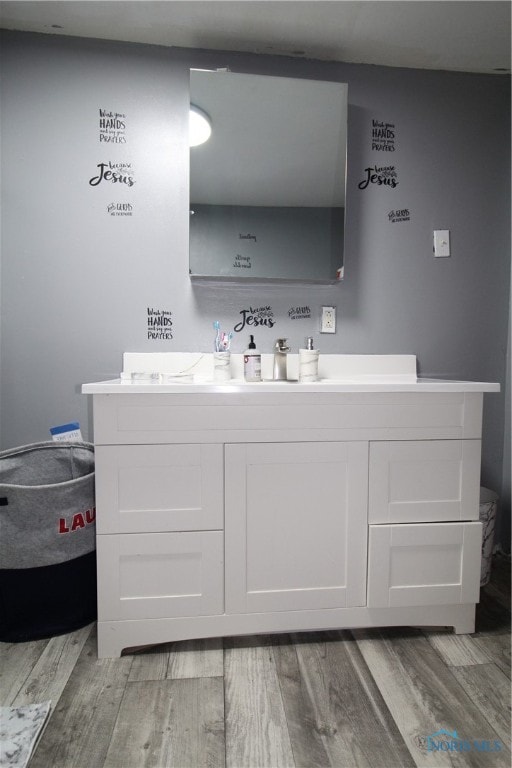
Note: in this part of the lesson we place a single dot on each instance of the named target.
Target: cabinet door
(296, 526)
(431, 564)
(144, 488)
(160, 575)
(425, 480)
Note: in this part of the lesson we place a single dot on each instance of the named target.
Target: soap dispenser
(308, 362)
(252, 362)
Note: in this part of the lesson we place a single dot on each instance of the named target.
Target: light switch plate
(441, 243)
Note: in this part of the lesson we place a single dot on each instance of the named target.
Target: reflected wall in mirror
(267, 190)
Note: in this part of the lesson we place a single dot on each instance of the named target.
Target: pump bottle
(252, 362)
(308, 362)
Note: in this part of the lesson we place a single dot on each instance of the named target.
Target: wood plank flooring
(360, 699)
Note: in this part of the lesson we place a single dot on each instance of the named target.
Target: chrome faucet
(280, 367)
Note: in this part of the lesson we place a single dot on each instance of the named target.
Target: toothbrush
(226, 341)
(216, 326)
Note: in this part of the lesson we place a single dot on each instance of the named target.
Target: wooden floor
(343, 699)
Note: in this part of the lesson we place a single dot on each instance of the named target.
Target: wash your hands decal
(112, 130)
(383, 135)
(159, 324)
(112, 127)
(383, 139)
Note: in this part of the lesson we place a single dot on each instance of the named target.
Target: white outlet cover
(328, 324)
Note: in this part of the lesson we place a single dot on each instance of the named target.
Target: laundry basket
(47, 540)
(488, 508)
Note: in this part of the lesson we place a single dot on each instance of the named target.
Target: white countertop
(363, 384)
(192, 373)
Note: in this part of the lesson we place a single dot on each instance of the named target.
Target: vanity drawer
(431, 564)
(159, 575)
(159, 488)
(421, 481)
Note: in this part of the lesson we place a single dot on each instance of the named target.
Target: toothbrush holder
(222, 366)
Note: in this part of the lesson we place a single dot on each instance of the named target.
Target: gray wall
(77, 282)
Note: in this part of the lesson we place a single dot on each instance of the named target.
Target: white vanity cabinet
(228, 510)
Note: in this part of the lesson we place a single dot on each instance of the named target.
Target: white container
(252, 362)
(308, 362)
(488, 507)
(221, 366)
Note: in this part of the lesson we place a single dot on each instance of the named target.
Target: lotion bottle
(252, 362)
(308, 362)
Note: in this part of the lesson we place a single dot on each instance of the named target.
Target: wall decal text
(381, 175)
(247, 237)
(262, 316)
(120, 209)
(112, 127)
(159, 324)
(397, 216)
(242, 262)
(121, 173)
(299, 313)
(383, 136)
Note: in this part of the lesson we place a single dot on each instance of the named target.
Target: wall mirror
(267, 189)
